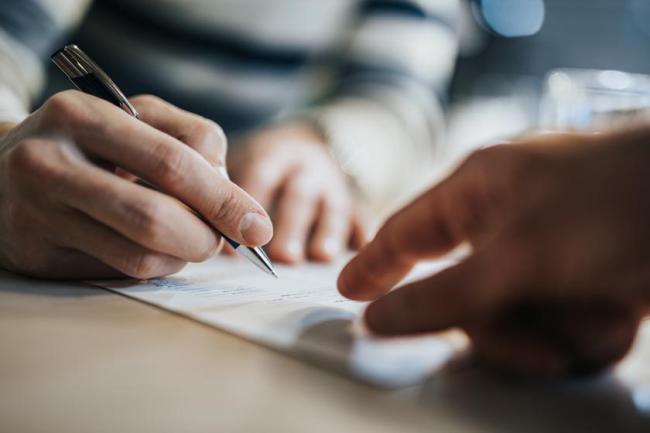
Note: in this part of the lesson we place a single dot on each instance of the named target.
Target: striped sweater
(369, 72)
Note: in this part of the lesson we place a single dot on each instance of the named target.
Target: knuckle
(225, 208)
(65, 108)
(149, 219)
(40, 157)
(170, 167)
(60, 102)
(507, 172)
(212, 131)
(517, 161)
(145, 265)
(209, 138)
(26, 157)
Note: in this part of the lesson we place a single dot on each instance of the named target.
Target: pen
(84, 73)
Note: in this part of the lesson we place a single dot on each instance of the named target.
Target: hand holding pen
(88, 77)
(64, 216)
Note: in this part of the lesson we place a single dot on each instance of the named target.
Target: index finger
(460, 293)
(422, 229)
(175, 168)
(464, 207)
(499, 271)
(201, 134)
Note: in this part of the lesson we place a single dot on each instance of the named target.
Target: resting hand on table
(288, 169)
(64, 213)
(559, 270)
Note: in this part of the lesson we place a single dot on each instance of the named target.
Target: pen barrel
(232, 243)
(90, 84)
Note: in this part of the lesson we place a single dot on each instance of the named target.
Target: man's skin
(288, 169)
(558, 276)
(285, 167)
(66, 213)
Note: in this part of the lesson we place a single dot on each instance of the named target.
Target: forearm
(21, 78)
(383, 118)
(28, 34)
(385, 149)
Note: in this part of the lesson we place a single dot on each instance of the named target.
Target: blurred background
(507, 48)
(398, 86)
(516, 67)
(550, 65)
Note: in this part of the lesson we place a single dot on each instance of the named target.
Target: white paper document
(300, 313)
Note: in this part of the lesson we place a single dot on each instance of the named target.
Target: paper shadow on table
(597, 404)
(453, 385)
(329, 340)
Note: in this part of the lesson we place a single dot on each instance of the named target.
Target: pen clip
(74, 63)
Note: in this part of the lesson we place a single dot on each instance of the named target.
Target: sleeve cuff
(374, 148)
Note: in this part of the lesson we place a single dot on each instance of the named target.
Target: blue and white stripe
(246, 62)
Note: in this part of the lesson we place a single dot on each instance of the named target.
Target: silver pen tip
(258, 257)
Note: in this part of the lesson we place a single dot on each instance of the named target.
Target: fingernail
(331, 247)
(294, 249)
(255, 229)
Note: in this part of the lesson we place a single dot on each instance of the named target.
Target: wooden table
(79, 359)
